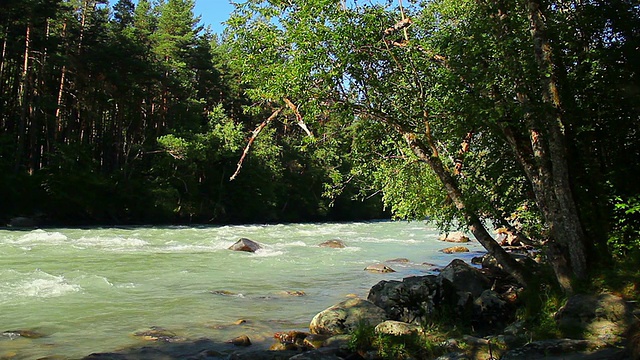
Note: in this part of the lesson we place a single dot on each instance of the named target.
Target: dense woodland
(134, 114)
(523, 115)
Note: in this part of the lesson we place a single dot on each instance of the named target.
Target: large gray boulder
(465, 278)
(414, 299)
(490, 311)
(460, 291)
(488, 261)
(344, 317)
(603, 317)
(244, 244)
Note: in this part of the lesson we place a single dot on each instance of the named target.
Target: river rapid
(90, 290)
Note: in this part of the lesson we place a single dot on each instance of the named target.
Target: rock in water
(455, 249)
(245, 244)
(456, 237)
(23, 222)
(346, 316)
(242, 340)
(28, 334)
(335, 244)
(379, 268)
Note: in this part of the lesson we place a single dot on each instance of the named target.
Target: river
(90, 290)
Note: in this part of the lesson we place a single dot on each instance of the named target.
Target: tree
(453, 84)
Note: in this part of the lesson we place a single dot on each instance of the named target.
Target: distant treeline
(132, 113)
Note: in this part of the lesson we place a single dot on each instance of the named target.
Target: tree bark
(22, 100)
(474, 223)
(566, 225)
(63, 76)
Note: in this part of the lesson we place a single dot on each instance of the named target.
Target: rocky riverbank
(483, 297)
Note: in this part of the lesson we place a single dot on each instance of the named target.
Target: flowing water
(91, 290)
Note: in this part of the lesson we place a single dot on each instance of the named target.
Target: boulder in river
(159, 334)
(242, 340)
(344, 317)
(455, 249)
(379, 268)
(244, 244)
(456, 237)
(334, 244)
(28, 334)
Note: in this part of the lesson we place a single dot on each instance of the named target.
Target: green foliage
(621, 278)
(624, 239)
(539, 302)
(148, 110)
(413, 346)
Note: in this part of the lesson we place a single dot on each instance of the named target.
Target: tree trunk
(566, 225)
(4, 57)
(474, 223)
(22, 100)
(531, 154)
(63, 76)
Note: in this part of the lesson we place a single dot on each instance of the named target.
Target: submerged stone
(335, 244)
(455, 249)
(247, 245)
(379, 268)
(456, 237)
(242, 340)
(27, 334)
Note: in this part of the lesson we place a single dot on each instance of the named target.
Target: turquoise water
(90, 290)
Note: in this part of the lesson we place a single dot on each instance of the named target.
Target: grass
(364, 339)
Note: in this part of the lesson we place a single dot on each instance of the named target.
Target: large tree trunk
(565, 225)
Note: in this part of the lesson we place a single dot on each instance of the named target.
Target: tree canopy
(134, 114)
(475, 111)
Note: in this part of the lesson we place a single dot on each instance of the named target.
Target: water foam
(39, 284)
(40, 236)
(264, 252)
(108, 242)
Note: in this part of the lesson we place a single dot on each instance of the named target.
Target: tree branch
(254, 135)
(301, 123)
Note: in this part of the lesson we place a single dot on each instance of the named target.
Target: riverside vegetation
(522, 115)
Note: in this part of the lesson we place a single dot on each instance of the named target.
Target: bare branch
(301, 123)
(254, 135)
(400, 25)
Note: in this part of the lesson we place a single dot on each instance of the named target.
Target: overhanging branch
(254, 135)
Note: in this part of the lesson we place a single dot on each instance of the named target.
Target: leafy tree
(474, 94)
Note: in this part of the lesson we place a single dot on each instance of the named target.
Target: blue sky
(213, 12)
